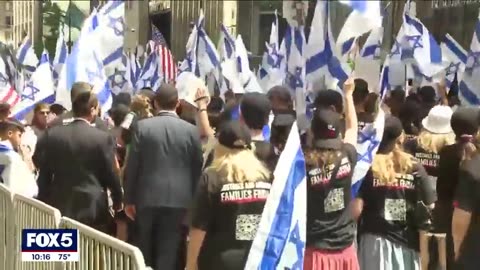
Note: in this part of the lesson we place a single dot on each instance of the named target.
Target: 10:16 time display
(49, 257)
(40, 257)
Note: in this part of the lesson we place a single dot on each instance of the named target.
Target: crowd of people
(187, 183)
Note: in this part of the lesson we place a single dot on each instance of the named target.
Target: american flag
(7, 90)
(167, 63)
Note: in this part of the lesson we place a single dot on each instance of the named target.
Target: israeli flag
(60, 57)
(81, 59)
(323, 64)
(469, 91)
(40, 88)
(120, 79)
(369, 139)
(111, 29)
(419, 45)
(295, 44)
(373, 45)
(134, 69)
(456, 56)
(237, 71)
(273, 69)
(208, 60)
(150, 76)
(189, 64)
(384, 79)
(281, 235)
(226, 44)
(26, 55)
(365, 16)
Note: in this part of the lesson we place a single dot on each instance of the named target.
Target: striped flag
(7, 92)
(167, 63)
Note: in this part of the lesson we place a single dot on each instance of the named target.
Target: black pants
(158, 235)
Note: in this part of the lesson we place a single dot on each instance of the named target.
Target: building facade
(27, 21)
(6, 21)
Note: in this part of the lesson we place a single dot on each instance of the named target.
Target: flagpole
(69, 28)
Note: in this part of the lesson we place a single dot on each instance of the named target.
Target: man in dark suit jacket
(67, 117)
(76, 167)
(163, 166)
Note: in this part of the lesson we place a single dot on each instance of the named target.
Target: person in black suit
(67, 117)
(76, 166)
(163, 166)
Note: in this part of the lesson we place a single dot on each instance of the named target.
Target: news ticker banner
(50, 245)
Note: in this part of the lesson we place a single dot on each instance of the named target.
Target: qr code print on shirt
(246, 227)
(334, 201)
(395, 210)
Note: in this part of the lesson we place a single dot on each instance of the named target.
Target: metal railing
(7, 228)
(101, 251)
(98, 251)
(32, 214)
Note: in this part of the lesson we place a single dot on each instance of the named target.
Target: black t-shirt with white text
(229, 213)
(467, 198)
(330, 224)
(429, 160)
(388, 209)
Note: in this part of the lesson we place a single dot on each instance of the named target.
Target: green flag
(74, 17)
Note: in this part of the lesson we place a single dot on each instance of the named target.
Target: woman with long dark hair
(330, 162)
(465, 124)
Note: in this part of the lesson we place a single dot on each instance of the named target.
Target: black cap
(235, 135)
(255, 109)
(465, 121)
(57, 109)
(392, 130)
(11, 123)
(360, 92)
(327, 98)
(326, 126)
(280, 92)
(427, 94)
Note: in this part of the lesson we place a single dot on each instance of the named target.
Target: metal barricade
(7, 227)
(100, 251)
(32, 214)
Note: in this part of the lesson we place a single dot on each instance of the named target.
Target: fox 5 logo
(46, 240)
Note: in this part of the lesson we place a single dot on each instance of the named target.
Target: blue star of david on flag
(29, 92)
(452, 68)
(296, 79)
(473, 62)
(414, 42)
(117, 25)
(299, 245)
(118, 79)
(368, 136)
(274, 58)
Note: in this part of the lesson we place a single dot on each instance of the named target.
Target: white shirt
(15, 172)
(29, 139)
